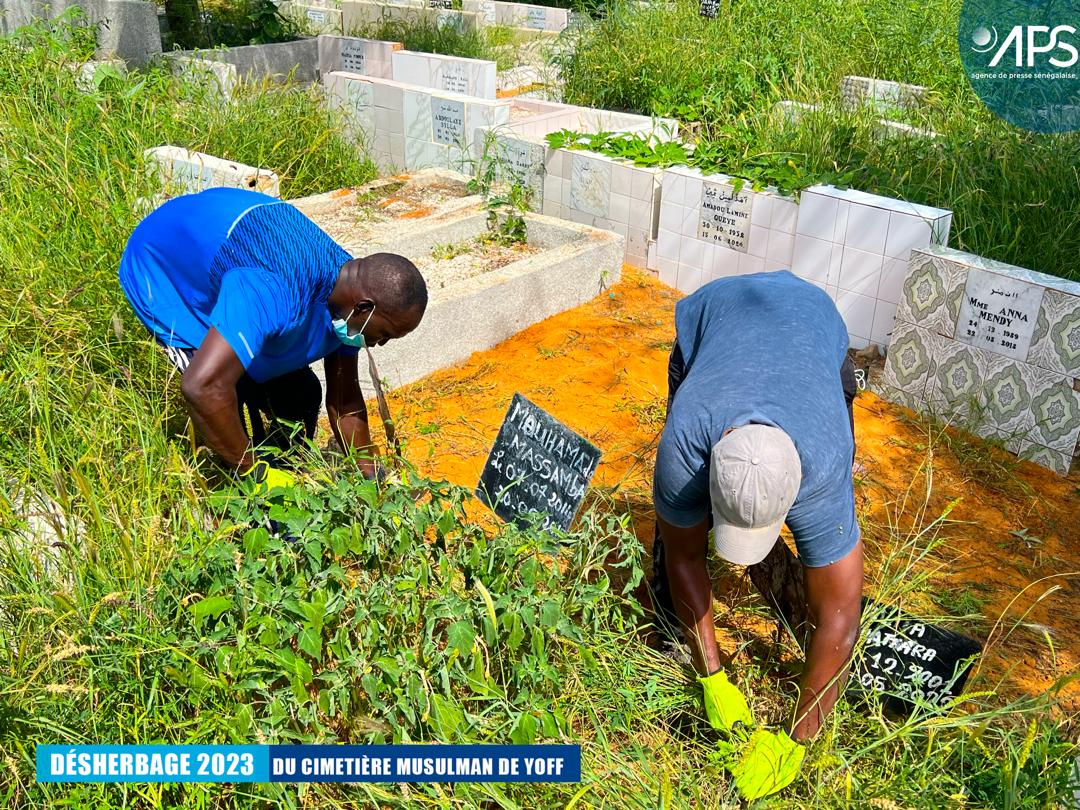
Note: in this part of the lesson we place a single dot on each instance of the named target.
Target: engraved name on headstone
(317, 15)
(352, 56)
(590, 185)
(998, 313)
(537, 465)
(448, 119)
(536, 18)
(725, 215)
(708, 8)
(455, 78)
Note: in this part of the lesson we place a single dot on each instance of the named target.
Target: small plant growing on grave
(506, 197)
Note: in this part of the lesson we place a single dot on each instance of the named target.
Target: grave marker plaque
(317, 16)
(708, 8)
(908, 662)
(352, 57)
(725, 215)
(998, 313)
(448, 118)
(445, 4)
(536, 17)
(455, 78)
(537, 465)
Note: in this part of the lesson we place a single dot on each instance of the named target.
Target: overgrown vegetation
(1008, 188)
(143, 600)
(428, 35)
(226, 23)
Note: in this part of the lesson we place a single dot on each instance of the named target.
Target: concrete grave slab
(573, 264)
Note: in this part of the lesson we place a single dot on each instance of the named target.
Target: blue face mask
(341, 329)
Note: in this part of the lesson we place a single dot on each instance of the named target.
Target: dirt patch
(1011, 542)
(357, 213)
(448, 264)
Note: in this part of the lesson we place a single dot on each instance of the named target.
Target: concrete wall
(358, 13)
(277, 60)
(577, 263)
(853, 245)
(128, 29)
(993, 348)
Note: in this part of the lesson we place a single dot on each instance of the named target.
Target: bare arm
(833, 596)
(209, 386)
(346, 409)
(691, 589)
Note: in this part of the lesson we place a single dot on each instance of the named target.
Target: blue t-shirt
(249, 265)
(764, 348)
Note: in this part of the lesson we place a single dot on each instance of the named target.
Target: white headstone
(998, 313)
(725, 215)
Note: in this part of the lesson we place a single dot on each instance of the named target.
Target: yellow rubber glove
(769, 762)
(267, 478)
(724, 703)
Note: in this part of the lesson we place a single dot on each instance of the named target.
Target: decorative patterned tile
(908, 364)
(1055, 408)
(1055, 344)
(932, 292)
(1054, 459)
(1009, 391)
(590, 184)
(954, 385)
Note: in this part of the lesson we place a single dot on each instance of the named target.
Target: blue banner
(309, 763)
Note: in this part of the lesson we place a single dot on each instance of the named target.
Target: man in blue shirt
(759, 433)
(244, 292)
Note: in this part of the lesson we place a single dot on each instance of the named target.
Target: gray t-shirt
(764, 348)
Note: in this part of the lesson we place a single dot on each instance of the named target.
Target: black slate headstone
(537, 465)
(709, 8)
(908, 662)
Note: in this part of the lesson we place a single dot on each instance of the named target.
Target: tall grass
(427, 35)
(1009, 189)
(111, 540)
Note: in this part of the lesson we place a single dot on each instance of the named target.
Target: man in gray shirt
(758, 434)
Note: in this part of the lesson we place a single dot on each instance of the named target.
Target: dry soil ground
(1012, 539)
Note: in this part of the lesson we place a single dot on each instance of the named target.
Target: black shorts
(266, 408)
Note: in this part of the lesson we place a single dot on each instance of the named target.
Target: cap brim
(744, 546)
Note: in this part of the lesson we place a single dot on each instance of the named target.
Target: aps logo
(1026, 43)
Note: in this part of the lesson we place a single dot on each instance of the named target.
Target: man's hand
(769, 762)
(724, 703)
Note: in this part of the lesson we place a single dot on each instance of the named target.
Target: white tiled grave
(367, 57)
(879, 94)
(856, 245)
(993, 348)
(708, 230)
(454, 74)
(853, 245)
(183, 171)
(408, 127)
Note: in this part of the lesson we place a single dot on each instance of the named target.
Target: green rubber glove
(768, 763)
(724, 703)
(267, 478)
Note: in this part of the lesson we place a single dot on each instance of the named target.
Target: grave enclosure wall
(586, 187)
(186, 172)
(853, 245)
(993, 348)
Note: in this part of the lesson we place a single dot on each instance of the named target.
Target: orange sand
(602, 370)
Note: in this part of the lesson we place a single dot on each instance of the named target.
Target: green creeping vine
(725, 154)
(390, 620)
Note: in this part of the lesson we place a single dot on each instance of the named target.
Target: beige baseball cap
(754, 476)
